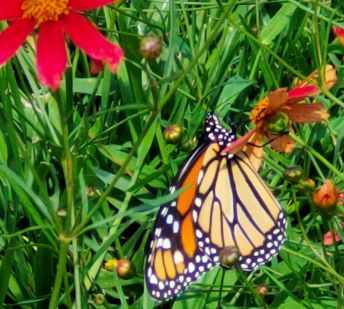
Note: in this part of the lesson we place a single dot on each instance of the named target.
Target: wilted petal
(90, 40)
(306, 113)
(51, 58)
(277, 99)
(13, 37)
(84, 5)
(281, 143)
(10, 9)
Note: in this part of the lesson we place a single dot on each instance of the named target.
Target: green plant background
(84, 170)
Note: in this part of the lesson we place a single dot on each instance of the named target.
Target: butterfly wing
(175, 259)
(234, 207)
(224, 203)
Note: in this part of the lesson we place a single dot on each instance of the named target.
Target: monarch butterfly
(224, 203)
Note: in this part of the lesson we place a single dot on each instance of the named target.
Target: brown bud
(123, 267)
(262, 289)
(150, 47)
(173, 134)
(228, 256)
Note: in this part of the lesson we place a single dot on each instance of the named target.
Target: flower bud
(293, 174)
(278, 124)
(190, 144)
(91, 192)
(123, 267)
(173, 134)
(262, 289)
(98, 299)
(305, 185)
(326, 197)
(150, 47)
(228, 256)
(62, 212)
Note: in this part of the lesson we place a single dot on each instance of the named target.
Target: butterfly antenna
(268, 142)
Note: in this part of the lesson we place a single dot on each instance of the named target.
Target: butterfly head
(216, 133)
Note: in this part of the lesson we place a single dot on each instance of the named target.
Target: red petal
(51, 58)
(84, 5)
(90, 40)
(338, 31)
(300, 93)
(10, 9)
(239, 143)
(13, 37)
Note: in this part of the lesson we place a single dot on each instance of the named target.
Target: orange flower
(279, 107)
(326, 197)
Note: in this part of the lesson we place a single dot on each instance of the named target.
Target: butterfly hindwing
(237, 210)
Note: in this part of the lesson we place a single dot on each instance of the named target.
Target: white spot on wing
(178, 257)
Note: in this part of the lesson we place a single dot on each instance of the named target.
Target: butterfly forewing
(175, 259)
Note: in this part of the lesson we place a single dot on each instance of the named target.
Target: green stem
(320, 265)
(61, 269)
(67, 165)
(311, 151)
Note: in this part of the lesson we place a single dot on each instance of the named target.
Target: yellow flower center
(44, 10)
(259, 111)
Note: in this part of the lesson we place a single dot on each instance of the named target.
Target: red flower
(339, 32)
(53, 19)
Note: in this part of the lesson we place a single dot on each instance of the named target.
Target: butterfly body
(223, 203)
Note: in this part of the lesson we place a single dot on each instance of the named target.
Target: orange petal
(281, 143)
(306, 113)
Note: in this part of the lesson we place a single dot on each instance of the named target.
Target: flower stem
(67, 165)
(317, 155)
(61, 269)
